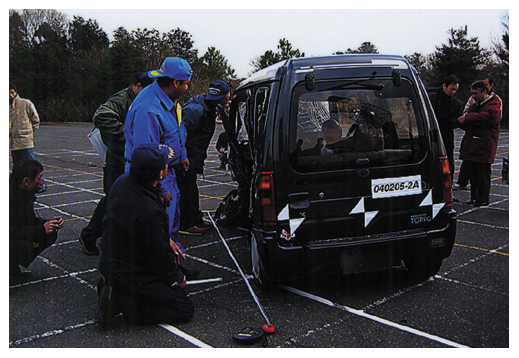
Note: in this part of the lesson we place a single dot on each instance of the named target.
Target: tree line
(461, 56)
(69, 67)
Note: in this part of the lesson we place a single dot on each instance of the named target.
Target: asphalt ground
(465, 305)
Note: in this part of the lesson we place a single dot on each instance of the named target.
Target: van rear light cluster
(446, 181)
(266, 198)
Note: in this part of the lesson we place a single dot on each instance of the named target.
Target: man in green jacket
(109, 119)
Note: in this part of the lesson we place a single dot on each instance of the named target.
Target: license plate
(391, 187)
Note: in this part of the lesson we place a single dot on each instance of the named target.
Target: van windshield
(361, 124)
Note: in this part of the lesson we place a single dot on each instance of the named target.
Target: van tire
(258, 270)
(421, 268)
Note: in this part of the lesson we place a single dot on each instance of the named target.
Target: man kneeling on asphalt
(29, 234)
(142, 277)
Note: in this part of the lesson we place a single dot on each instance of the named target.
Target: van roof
(310, 64)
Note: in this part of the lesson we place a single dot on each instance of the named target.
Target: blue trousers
(170, 184)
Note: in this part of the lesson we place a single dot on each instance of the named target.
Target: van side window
(242, 124)
(336, 127)
(260, 111)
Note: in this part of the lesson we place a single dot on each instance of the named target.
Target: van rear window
(355, 124)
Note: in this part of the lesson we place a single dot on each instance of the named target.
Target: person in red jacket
(479, 144)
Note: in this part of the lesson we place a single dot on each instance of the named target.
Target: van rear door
(360, 164)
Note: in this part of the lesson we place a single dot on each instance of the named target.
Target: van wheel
(421, 268)
(258, 270)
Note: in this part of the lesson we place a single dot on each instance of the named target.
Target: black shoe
(190, 274)
(478, 203)
(89, 248)
(456, 200)
(459, 187)
(470, 202)
(107, 307)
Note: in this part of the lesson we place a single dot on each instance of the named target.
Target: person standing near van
(222, 145)
(155, 116)
(199, 115)
(23, 121)
(478, 147)
(447, 109)
(109, 118)
(463, 178)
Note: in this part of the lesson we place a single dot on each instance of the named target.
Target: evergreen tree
(284, 52)
(365, 47)
(462, 57)
(126, 61)
(216, 67)
(180, 44)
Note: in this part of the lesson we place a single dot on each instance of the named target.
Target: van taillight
(266, 198)
(446, 181)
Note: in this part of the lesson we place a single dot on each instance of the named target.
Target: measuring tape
(248, 334)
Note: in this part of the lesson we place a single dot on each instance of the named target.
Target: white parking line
(386, 322)
(75, 187)
(51, 333)
(481, 224)
(185, 336)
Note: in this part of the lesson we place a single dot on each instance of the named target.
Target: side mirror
(310, 81)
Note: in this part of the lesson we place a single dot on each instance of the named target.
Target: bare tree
(34, 18)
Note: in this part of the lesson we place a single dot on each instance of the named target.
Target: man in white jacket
(23, 121)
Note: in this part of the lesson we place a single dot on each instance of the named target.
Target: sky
(243, 34)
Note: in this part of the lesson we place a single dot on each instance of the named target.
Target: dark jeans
(114, 169)
(479, 177)
(463, 175)
(21, 154)
(154, 303)
(190, 213)
(23, 250)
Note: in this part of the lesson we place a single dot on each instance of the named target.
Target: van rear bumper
(354, 255)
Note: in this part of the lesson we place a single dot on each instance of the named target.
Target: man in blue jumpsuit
(155, 116)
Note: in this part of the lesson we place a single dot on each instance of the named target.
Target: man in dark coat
(139, 263)
(199, 115)
(29, 234)
(447, 109)
(479, 144)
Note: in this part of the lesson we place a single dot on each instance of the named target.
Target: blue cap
(150, 158)
(217, 91)
(173, 67)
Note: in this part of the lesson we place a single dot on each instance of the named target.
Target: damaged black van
(340, 163)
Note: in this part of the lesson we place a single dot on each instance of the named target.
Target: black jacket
(447, 110)
(200, 120)
(135, 244)
(23, 222)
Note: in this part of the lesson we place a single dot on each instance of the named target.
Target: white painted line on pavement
(51, 333)
(209, 280)
(184, 335)
(386, 322)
